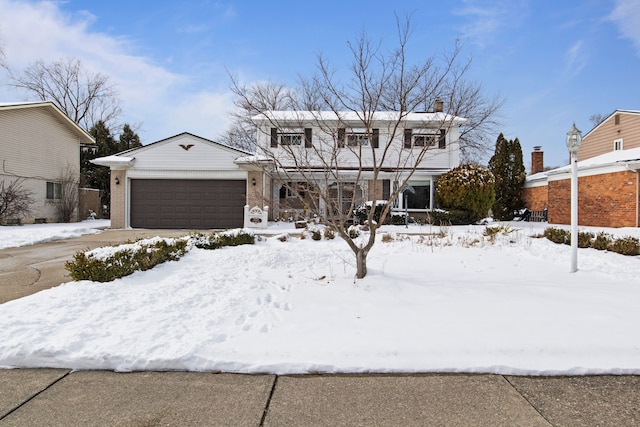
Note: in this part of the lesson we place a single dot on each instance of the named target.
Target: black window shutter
(407, 138)
(307, 138)
(376, 138)
(274, 137)
(386, 189)
(442, 140)
(340, 137)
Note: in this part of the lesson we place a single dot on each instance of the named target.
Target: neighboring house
(39, 144)
(327, 154)
(608, 181)
(181, 182)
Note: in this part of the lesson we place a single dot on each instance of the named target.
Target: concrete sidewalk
(58, 397)
(52, 397)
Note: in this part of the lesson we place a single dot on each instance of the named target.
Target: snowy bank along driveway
(454, 304)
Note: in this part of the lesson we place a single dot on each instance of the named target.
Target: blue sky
(554, 62)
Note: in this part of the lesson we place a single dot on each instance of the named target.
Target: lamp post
(574, 140)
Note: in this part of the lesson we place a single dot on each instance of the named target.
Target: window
(293, 190)
(424, 140)
(617, 145)
(54, 190)
(291, 138)
(418, 196)
(356, 139)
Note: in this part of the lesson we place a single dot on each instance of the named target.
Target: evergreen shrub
(86, 266)
(467, 188)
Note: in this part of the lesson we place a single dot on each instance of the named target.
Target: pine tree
(129, 139)
(93, 176)
(508, 169)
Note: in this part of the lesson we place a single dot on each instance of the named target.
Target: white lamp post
(574, 140)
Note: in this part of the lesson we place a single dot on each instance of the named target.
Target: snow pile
(442, 300)
(14, 236)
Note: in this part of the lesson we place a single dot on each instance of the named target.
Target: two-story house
(349, 157)
(186, 181)
(39, 149)
(608, 177)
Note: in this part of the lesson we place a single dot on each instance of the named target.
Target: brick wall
(536, 198)
(117, 199)
(607, 200)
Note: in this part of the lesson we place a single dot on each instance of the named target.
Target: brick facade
(118, 199)
(606, 200)
(536, 198)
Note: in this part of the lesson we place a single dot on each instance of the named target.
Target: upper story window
(617, 144)
(421, 139)
(358, 137)
(291, 137)
(54, 190)
(424, 140)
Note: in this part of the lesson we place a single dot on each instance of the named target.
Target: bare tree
(15, 200)
(328, 175)
(83, 96)
(68, 204)
(260, 96)
(597, 118)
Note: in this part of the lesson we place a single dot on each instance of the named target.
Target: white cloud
(626, 14)
(488, 18)
(576, 58)
(156, 97)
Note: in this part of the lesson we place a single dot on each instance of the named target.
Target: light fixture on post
(574, 140)
(117, 181)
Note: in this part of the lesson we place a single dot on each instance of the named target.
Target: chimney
(537, 160)
(438, 106)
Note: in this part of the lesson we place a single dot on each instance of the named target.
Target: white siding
(396, 157)
(171, 155)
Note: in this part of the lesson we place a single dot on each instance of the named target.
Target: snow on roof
(352, 116)
(113, 160)
(613, 158)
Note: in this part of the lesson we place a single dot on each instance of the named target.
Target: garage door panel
(192, 204)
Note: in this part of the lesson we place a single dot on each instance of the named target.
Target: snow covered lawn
(14, 236)
(456, 304)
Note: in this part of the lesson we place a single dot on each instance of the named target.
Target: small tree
(508, 169)
(467, 188)
(379, 84)
(68, 204)
(15, 200)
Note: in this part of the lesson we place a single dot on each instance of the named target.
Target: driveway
(29, 269)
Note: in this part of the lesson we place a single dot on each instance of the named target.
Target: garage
(181, 182)
(187, 203)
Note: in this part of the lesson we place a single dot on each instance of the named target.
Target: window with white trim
(422, 140)
(54, 190)
(355, 139)
(291, 138)
(617, 144)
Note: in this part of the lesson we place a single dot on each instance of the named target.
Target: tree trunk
(361, 263)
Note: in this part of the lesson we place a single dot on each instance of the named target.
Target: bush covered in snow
(107, 264)
(602, 241)
(467, 188)
(234, 237)
(362, 211)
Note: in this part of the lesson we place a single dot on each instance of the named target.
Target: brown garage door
(190, 204)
